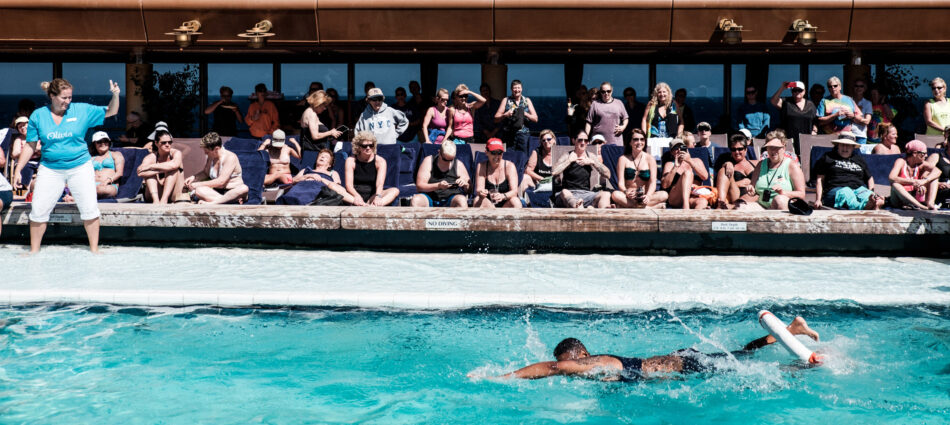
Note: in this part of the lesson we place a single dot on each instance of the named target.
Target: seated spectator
(537, 173)
(365, 173)
(220, 181)
(279, 152)
(636, 176)
(733, 173)
(888, 145)
(704, 136)
(323, 172)
(683, 178)
(913, 180)
(844, 181)
(6, 189)
(159, 126)
(752, 115)
(441, 181)
(692, 141)
(108, 165)
(777, 179)
(19, 140)
(941, 161)
(136, 135)
(575, 171)
(162, 171)
(496, 180)
(460, 120)
(384, 122)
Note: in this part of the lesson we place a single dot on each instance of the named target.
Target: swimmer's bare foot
(800, 327)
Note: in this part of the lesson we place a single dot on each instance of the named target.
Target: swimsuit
(107, 163)
(912, 173)
(502, 187)
(364, 178)
(632, 368)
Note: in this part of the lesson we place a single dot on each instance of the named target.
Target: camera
(767, 195)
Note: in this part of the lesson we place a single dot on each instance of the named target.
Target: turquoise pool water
(886, 340)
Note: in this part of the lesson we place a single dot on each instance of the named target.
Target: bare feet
(875, 202)
(800, 327)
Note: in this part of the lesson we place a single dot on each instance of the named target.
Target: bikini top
(632, 173)
(108, 162)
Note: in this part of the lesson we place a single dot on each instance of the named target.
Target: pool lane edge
(826, 232)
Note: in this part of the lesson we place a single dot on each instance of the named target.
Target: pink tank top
(437, 123)
(912, 173)
(463, 124)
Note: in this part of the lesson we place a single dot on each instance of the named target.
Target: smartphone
(343, 128)
(767, 195)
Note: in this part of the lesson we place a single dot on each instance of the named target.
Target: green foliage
(899, 82)
(172, 97)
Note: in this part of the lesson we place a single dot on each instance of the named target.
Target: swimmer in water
(574, 360)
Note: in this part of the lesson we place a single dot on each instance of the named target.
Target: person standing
(61, 127)
(686, 113)
(836, 112)
(485, 126)
(861, 121)
(384, 122)
(798, 114)
(136, 135)
(937, 109)
(634, 110)
(513, 113)
(753, 116)
(262, 118)
(607, 117)
(226, 113)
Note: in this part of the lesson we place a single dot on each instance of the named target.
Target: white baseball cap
(99, 135)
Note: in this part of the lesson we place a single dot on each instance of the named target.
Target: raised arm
(113, 107)
(777, 97)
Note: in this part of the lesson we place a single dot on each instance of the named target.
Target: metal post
(203, 95)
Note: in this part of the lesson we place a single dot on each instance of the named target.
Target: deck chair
(408, 164)
(242, 145)
(516, 157)
(254, 167)
(130, 184)
(931, 140)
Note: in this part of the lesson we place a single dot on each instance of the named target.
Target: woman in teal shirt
(61, 128)
(777, 179)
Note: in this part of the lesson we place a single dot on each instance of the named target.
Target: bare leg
(418, 200)
(151, 185)
(349, 198)
(36, 236)
(899, 190)
(514, 203)
(932, 195)
(780, 202)
(658, 198)
(389, 195)
(168, 189)
(459, 201)
(231, 194)
(602, 200)
(797, 327)
(92, 232)
(724, 182)
(621, 199)
(483, 202)
(271, 178)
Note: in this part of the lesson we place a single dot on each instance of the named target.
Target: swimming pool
(888, 355)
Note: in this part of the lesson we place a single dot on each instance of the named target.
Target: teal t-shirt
(64, 145)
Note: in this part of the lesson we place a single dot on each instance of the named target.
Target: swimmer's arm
(565, 367)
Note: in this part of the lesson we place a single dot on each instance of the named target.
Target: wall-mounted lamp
(257, 36)
(731, 31)
(186, 34)
(806, 34)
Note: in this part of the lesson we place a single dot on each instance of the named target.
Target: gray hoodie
(387, 123)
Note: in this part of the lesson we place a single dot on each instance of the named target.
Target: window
(295, 78)
(91, 85)
(453, 74)
(386, 76)
(544, 85)
(620, 77)
(704, 91)
(21, 80)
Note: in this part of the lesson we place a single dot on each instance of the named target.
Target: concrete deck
(915, 233)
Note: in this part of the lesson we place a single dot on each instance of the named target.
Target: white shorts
(49, 185)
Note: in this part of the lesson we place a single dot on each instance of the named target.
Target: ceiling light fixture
(731, 31)
(186, 34)
(807, 34)
(257, 36)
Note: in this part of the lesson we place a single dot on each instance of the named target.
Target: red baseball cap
(495, 144)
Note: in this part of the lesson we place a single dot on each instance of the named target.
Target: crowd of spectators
(624, 153)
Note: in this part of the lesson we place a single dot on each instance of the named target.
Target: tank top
(308, 143)
(664, 127)
(437, 123)
(540, 168)
(577, 177)
(768, 177)
(364, 178)
(502, 187)
(940, 114)
(912, 173)
(437, 175)
(943, 164)
(463, 124)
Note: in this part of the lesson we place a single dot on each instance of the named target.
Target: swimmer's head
(570, 349)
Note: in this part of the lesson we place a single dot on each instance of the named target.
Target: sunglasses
(797, 90)
(637, 139)
(495, 152)
(939, 88)
(919, 153)
(606, 91)
(103, 142)
(365, 146)
(548, 139)
(582, 140)
(169, 142)
(376, 99)
(737, 149)
(832, 86)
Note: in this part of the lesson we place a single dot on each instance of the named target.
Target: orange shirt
(266, 123)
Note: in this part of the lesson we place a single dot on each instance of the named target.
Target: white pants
(49, 188)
